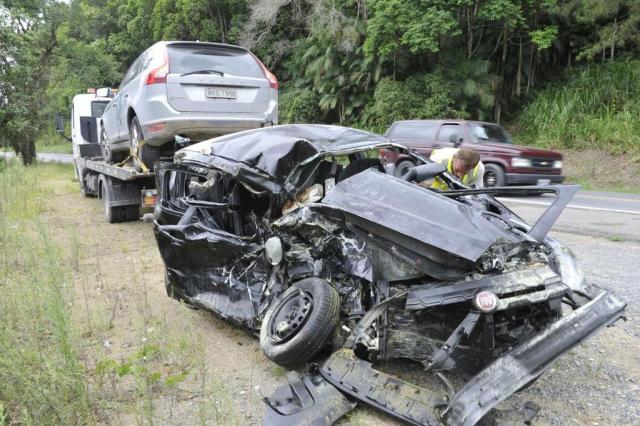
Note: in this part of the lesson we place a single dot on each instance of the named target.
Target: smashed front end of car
(267, 228)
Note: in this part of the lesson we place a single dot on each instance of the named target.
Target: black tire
(139, 150)
(493, 176)
(131, 213)
(403, 167)
(111, 214)
(303, 342)
(149, 155)
(117, 214)
(109, 155)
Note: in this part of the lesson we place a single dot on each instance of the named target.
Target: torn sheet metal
(417, 218)
(521, 282)
(524, 363)
(395, 397)
(214, 270)
(306, 400)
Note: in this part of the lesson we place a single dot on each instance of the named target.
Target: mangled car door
(207, 265)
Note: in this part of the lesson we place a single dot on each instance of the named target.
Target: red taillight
(160, 64)
(273, 81)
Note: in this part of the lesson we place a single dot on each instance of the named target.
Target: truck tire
(107, 154)
(299, 323)
(111, 214)
(143, 152)
(403, 167)
(117, 214)
(493, 176)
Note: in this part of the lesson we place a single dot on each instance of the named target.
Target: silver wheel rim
(105, 144)
(490, 179)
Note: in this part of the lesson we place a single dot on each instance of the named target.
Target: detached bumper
(531, 179)
(498, 381)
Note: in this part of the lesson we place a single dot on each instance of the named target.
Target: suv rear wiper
(203, 72)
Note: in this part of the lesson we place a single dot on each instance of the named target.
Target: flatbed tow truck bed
(125, 192)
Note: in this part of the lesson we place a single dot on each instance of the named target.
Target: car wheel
(141, 152)
(299, 323)
(403, 167)
(108, 154)
(493, 175)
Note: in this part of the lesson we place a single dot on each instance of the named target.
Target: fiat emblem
(486, 301)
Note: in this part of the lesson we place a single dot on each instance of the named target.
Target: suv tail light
(273, 81)
(160, 67)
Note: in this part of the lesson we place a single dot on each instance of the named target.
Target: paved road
(609, 214)
(45, 157)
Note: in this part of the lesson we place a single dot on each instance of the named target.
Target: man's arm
(480, 178)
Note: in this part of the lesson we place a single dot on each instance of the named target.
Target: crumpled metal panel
(277, 150)
(306, 400)
(214, 270)
(416, 218)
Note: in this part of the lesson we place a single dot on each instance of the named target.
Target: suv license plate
(220, 92)
(544, 182)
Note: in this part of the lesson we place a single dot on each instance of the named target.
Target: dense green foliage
(357, 62)
(597, 107)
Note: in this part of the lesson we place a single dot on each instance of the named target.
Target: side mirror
(104, 92)
(424, 172)
(458, 142)
(59, 123)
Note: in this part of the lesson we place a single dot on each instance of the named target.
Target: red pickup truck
(505, 163)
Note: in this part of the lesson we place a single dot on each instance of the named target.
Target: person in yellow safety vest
(463, 163)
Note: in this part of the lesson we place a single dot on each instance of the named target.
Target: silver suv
(192, 89)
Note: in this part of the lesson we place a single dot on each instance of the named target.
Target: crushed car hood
(416, 218)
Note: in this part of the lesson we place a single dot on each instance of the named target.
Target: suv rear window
(424, 130)
(189, 58)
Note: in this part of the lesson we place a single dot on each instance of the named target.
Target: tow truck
(126, 194)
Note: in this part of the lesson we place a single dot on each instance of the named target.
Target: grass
(590, 185)
(596, 108)
(57, 363)
(58, 148)
(40, 368)
(55, 147)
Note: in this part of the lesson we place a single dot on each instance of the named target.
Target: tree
(29, 32)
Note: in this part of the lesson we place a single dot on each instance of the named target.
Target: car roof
(201, 43)
(443, 120)
(277, 150)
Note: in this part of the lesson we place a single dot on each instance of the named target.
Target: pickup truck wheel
(299, 323)
(403, 167)
(493, 175)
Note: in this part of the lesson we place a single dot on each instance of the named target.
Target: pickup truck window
(447, 131)
(413, 130)
(489, 132)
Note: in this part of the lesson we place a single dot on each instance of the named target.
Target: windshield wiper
(203, 72)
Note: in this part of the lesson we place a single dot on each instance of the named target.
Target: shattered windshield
(484, 132)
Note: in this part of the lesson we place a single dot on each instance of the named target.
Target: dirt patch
(598, 170)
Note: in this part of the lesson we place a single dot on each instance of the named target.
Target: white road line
(539, 203)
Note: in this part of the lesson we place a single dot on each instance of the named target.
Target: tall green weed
(41, 375)
(597, 107)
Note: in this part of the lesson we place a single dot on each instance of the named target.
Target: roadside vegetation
(357, 63)
(57, 360)
(594, 108)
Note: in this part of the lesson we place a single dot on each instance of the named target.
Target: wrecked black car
(301, 236)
